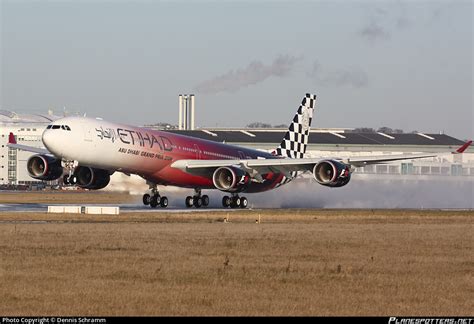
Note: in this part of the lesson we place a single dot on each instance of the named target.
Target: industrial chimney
(186, 112)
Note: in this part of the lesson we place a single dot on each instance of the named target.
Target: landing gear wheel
(235, 202)
(154, 201)
(226, 201)
(189, 201)
(146, 199)
(69, 180)
(164, 202)
(205, 200)
(197, 202)
(244, 202)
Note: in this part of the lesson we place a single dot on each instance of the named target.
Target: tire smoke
(364, 191)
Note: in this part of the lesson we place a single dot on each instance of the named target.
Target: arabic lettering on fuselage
(133, 137)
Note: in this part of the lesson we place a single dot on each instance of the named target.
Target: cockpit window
(63, 127)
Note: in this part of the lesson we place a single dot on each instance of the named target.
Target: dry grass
(296, 262)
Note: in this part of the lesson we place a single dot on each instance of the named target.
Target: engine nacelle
(332, 173)
(44, 167)
(230, 179)
(91, 178)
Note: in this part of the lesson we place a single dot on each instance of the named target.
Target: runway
(136, 208)
(124, 208)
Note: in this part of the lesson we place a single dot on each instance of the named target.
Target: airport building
(339, 142)
(343, 143)
(27, 129)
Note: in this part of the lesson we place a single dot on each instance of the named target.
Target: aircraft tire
(189, 201)
(205, 200)
(244, 202)
(154, 201)
(197, 202)
(164, 202)
(146, 199)
(226, 201)
(235, 202)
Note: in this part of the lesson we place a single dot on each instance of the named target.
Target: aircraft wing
(287, 165)
(367, 160)
(12, 143)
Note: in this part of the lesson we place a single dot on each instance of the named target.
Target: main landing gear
(235, 201)
(197, 200)
(154, 199)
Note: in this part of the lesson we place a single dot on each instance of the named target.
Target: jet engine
(44, 167)
(230, 179)
(91, 178)
(332, 173)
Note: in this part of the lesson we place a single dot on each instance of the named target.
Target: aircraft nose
(48, 140)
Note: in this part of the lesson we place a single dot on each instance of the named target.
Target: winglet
(11, 139)
(463, 148)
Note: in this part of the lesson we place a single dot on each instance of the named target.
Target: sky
(400, 64)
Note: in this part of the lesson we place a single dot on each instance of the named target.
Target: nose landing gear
(69, 179)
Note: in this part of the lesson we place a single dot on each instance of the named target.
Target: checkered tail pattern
(296, 139)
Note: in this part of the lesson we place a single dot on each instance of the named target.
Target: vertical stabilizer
(296, 139)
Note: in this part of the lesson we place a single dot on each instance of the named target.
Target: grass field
(295, 262)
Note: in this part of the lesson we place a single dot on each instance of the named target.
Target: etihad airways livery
(85, 152)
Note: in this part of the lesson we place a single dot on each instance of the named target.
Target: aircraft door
(198, 152)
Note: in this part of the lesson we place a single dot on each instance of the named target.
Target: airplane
(86, 151)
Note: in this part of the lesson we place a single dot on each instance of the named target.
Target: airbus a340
(86, 151)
